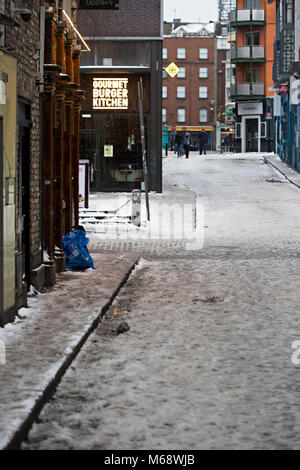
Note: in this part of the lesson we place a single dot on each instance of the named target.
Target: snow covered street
(207, 362)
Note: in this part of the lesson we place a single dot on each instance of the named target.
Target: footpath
(43, 341)
(291, 175)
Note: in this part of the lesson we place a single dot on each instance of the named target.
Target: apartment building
(254, 24)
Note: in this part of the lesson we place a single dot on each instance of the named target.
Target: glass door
(252, 135)
(120, 152)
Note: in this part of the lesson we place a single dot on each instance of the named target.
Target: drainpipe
(41, 91)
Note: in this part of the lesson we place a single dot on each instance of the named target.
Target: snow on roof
(201, 29)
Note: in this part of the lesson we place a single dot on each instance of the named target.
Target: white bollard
(136, 207)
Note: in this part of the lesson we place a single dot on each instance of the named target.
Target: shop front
(110, 130)
(110, 115)
(250, 127)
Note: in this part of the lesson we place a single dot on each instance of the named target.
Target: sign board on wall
(172, 70)
(250, 108)
(283, 89)
(108, 151)
(277, 105)
(110, 93)
(98, 5)
(83, 183)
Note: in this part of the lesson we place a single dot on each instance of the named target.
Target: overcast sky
(191, 10)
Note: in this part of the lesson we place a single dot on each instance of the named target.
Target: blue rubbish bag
(74, 244)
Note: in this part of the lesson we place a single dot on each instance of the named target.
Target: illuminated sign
(172, 70)
(110, 93)
(98, 5)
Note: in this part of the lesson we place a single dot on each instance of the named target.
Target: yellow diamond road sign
(172, 70)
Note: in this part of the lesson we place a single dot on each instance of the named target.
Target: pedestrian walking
(187, 143)
(228, 143)
(178, 142)
(203, 139)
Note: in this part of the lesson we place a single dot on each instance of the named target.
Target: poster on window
(82, 184)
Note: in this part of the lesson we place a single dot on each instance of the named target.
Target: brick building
(195, 99)
(39, 144)
(126, 47)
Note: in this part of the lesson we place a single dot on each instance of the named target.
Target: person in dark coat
(203, 139)
(178, 142)
(228, 143)
(187, 143)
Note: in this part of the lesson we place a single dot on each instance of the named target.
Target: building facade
(195, 98)
(20, 204)
(39, 144)
(286, 74)
(254, 23)
(126, 46)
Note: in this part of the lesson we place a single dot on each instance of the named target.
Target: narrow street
(207, 361)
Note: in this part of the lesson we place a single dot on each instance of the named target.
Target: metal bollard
(136, 207)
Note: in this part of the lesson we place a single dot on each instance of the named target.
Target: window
(165, 75)
(251, 39)
(181, 92)
(165, 53)
(203, 115)
(263, 130)
(252, 4)
(202, 91)
(165, 92)
(181, 73)
(203, 73)
(251, 75)
(181, 53)
(180, 115)
(203, 53)
(164, 115)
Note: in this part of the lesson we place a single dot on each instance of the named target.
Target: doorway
(1, 218)
(23, 254)
(252, 137)
(111, 142)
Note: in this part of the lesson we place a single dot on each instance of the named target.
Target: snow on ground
(39, 342)
(206, 363)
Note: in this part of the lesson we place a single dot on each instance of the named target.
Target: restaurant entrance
(111, 142)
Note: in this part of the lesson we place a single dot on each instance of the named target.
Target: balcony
(248, 53)
(244, 91)
(246, 17)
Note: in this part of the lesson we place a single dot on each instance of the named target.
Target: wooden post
(51, 73)
(78, 97)
(68, 138)
(59, 159)
(63, 80)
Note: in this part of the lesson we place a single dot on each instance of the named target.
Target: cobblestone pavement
(206, 363)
